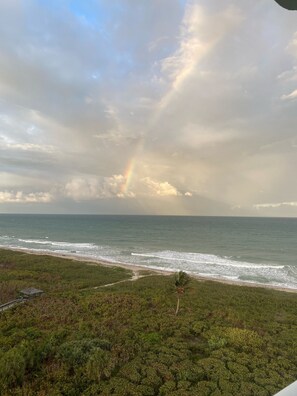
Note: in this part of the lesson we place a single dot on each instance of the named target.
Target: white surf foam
(201, 264)
(202, 258)
(71, 245)
(219, 267)
(38, 241)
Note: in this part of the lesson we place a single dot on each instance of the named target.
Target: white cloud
(207, 115)
(291, 96)
(28, 147)
(288, 75)
(81, 189)
(195, 136)
(199, 33)
(178, 66)
(291, 75)
(21, 197)
(274, 205)
(156, 188)
(292, 47)
(92, 188)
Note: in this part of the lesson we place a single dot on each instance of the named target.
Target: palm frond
(181, 279)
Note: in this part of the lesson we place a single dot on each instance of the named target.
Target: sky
(148, 107)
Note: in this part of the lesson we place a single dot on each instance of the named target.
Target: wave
(73, 245)
(231, 268)
(202, 258)
(38, 241)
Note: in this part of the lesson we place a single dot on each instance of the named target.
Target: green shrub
(12, 368)
(215, 342)
(78, 353)
(243, 338)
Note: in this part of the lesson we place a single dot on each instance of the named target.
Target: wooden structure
(30, 292)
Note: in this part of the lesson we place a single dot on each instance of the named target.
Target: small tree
(181, 281)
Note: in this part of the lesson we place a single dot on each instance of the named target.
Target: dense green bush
(12, 368)
(127, 340)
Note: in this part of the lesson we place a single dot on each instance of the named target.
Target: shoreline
(136, 268)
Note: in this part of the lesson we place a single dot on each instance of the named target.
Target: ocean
(251, 250)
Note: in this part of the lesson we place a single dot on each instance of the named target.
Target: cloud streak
(275, 205)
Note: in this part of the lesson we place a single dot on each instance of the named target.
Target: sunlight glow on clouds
(161, 189)
(110, 187)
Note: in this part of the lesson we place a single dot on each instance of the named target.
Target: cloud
(155, 188)
(200, 31)
(289, 77)
(21, 197)
(28, 147)
(274, 205)
(92, 188)
(200, 103)
(291, 96)
(292, 46)
(198, 137)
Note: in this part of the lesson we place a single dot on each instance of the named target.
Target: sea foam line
(206, 259)
(60, 244)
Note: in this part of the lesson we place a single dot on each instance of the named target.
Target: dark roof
(31, 291)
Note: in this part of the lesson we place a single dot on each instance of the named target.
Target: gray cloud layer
(182, 107)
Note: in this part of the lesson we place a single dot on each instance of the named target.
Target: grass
(52, 274)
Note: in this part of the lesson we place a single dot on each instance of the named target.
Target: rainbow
(128, 175)
(130, 168)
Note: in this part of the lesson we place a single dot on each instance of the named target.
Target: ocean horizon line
(145, 215)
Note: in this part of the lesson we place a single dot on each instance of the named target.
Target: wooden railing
(10, 304)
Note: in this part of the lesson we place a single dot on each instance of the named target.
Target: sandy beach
(136, 269)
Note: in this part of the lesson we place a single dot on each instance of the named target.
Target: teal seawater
(261, 250)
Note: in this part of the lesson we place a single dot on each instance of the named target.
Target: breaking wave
(202, 264)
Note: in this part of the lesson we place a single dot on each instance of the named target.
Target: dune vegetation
(126, 339)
